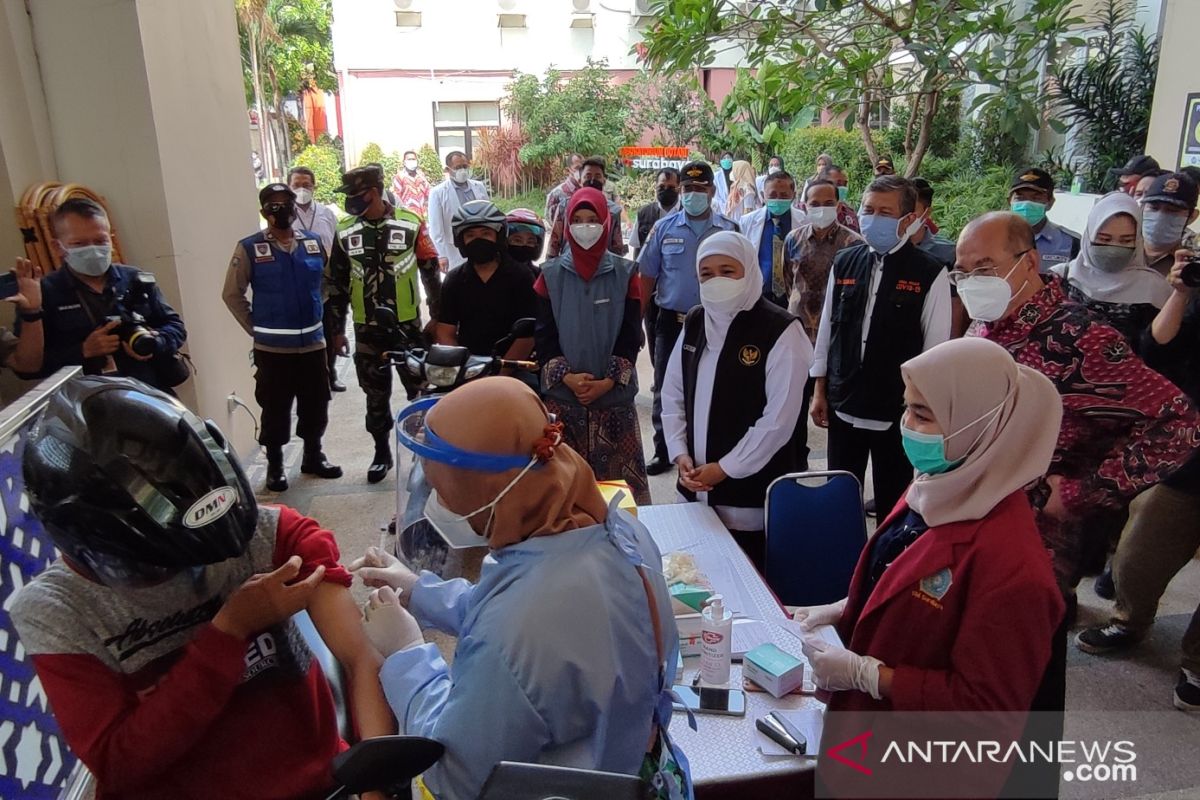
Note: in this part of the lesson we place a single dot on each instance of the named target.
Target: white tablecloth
(726, 748)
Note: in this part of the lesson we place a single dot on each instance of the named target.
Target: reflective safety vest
(287, 301)
(383, 264)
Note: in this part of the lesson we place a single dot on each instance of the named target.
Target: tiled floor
(1140, 681)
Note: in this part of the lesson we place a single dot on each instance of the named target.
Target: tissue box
(609, 489)
(689, 626)
(690, 595)
(772, 669)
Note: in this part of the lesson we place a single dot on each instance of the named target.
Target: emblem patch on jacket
(937, 584)
(397, 238)
(749, 355)
(354, 244)
(312, 246)
(262, 252)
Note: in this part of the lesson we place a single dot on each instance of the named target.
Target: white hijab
(743, 251)
(1134, 285)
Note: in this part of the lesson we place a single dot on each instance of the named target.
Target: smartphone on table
(705, 700)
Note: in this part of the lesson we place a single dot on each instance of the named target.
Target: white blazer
(443, 202)
(755, 222)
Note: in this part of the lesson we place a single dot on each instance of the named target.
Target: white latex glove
(380, 568)
(811, 617)
(389, 626)
(836, 669)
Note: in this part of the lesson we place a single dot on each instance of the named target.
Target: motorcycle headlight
(441, 376)
(475, 370)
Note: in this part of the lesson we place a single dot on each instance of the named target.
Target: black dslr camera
(1190, 274)
(131, 327)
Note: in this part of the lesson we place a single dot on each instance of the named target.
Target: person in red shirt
(162, 635)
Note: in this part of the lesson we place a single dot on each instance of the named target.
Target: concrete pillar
(146, 106)
(1177, 77)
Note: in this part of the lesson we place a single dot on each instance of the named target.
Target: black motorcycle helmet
(132, 485)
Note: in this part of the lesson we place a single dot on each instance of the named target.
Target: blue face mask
(926, 451)
(778, 208)
(1162, 229)
(882, 234)
(726, 163)
(1031, 211)
(695, 203)
(843, 193)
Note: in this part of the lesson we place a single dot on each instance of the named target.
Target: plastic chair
(816, 529)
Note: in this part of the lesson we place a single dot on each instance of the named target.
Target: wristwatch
(32, 316)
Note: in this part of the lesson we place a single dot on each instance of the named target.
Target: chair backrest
(816, 529)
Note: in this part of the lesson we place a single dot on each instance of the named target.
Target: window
(456, 126)
(881, 115)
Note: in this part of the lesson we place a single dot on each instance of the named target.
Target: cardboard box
(773, 669)
(689, 595)
(609, 489)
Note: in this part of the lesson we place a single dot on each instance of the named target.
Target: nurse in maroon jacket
(953, 602)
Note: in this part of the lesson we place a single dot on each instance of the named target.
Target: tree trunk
(256, 79)
(913, 165)
(864, 128)
(283, 123)
(914, 108)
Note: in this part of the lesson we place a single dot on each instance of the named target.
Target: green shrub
(325, 160)
(429, 162)
(962, 197)
(802, 146)
(391, 162)
(943, 139)
(534, 199)
(636, 189)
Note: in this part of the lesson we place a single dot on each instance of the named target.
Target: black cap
(1139, 165)
(359, 179)
(1032, 178)
(696, 172)
(274, 188)
(1175, 188)
(884, 161)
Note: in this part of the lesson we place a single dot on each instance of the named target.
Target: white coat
(443, 202)
(755, 222)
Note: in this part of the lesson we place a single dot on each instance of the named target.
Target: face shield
(425, 526)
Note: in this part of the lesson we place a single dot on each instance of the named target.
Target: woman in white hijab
(960, 561)
(1110, 275)
(734, 389)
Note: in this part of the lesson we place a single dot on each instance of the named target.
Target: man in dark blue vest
(887, 301)
(285, 268)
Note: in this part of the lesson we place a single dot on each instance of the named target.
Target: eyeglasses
(958, 276)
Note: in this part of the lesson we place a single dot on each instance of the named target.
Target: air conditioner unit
(408, 13)
(583, 16)
(511, 14)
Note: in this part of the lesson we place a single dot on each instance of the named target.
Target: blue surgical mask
(695, 203)
(726, 163)
(883, 234)
(1163, 229)
(843, 193)
(1031, 211)
(926, 451)
(778, 208)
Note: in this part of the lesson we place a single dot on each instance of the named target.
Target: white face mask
(771, 170)
(410, 164)
(721, 294)
(986, 297)
(822, 216)
(92, 260)
(304, 196)
(456, 528)
(586, 234)
(461, 175)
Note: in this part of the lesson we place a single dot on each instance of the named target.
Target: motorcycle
(440, 369)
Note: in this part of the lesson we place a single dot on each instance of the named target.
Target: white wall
(146, 107)
(1178, 76)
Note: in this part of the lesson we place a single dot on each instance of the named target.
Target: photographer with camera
(1168, 208)
(1163, 532)
(111, 319)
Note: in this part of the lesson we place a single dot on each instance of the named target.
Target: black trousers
(375, 376)
(283, 378)
(331, 334)
(802, 449)
(667, 327)
(650, 322)
(849, 448)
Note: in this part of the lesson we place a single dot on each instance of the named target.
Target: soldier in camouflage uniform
(378, 253)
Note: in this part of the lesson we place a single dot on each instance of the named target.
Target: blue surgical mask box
(774, 670)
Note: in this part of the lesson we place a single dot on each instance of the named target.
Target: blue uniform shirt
(1055, 246)
(670, 258)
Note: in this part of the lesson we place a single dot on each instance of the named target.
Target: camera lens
(1190, 274)
(142, 342)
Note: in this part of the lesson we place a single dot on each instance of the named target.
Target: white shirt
(319, 219)
(787, 372)
(443, 202)
(935, 325)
